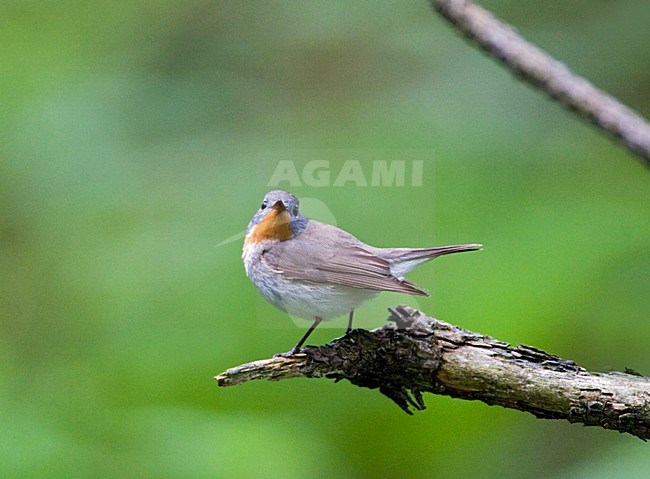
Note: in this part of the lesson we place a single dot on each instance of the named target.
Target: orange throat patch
(276, 226)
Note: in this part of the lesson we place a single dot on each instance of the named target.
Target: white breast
(251, 254)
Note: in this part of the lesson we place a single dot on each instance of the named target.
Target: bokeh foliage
(136, 136)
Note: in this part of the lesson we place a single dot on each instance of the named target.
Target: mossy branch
(416, 354)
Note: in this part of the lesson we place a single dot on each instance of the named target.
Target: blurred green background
(136, 136)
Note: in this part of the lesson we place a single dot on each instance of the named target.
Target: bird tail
(406, 254)
(404, 260)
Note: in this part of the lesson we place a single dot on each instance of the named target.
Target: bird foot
(288, 354)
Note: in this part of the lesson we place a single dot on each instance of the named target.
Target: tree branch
(417, 354)
(542, 71)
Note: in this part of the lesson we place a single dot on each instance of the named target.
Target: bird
(318, 272)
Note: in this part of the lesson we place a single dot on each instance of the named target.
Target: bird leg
(297, 347)
(350, 321)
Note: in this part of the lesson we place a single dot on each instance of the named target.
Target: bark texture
(415, 354)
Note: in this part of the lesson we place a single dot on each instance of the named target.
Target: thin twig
(420, 354)
(541, 70)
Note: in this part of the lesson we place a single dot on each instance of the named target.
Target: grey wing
(326, 254)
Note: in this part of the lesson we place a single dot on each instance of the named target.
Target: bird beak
(279, 207)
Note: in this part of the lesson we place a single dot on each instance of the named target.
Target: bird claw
(288, 354)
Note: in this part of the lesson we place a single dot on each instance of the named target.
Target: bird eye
(295, 211)
(264, 204)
